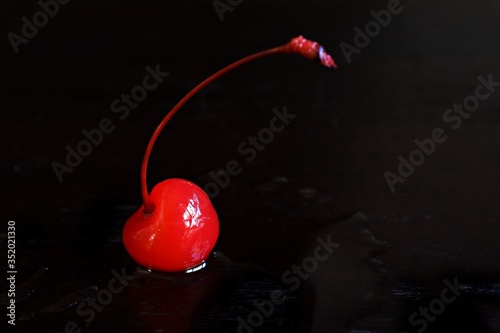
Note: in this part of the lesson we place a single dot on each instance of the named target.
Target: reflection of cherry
(177, 226)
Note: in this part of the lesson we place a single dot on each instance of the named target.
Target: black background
(352, 124)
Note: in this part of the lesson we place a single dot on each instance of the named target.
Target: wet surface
(312, 239)
(337, 261)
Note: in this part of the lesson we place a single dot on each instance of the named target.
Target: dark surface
(352, 124)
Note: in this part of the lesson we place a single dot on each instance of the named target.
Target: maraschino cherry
(177, 227)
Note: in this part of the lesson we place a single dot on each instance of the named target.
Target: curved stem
(149, 206)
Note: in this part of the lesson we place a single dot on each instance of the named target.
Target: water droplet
(272, 185)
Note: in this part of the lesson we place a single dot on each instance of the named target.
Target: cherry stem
(149, 205)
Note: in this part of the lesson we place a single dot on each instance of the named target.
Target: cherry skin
(179, 234)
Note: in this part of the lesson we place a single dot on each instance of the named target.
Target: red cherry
(180, 233)
(177, 227)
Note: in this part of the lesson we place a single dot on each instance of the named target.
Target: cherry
(177, 227)
(181, 232)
